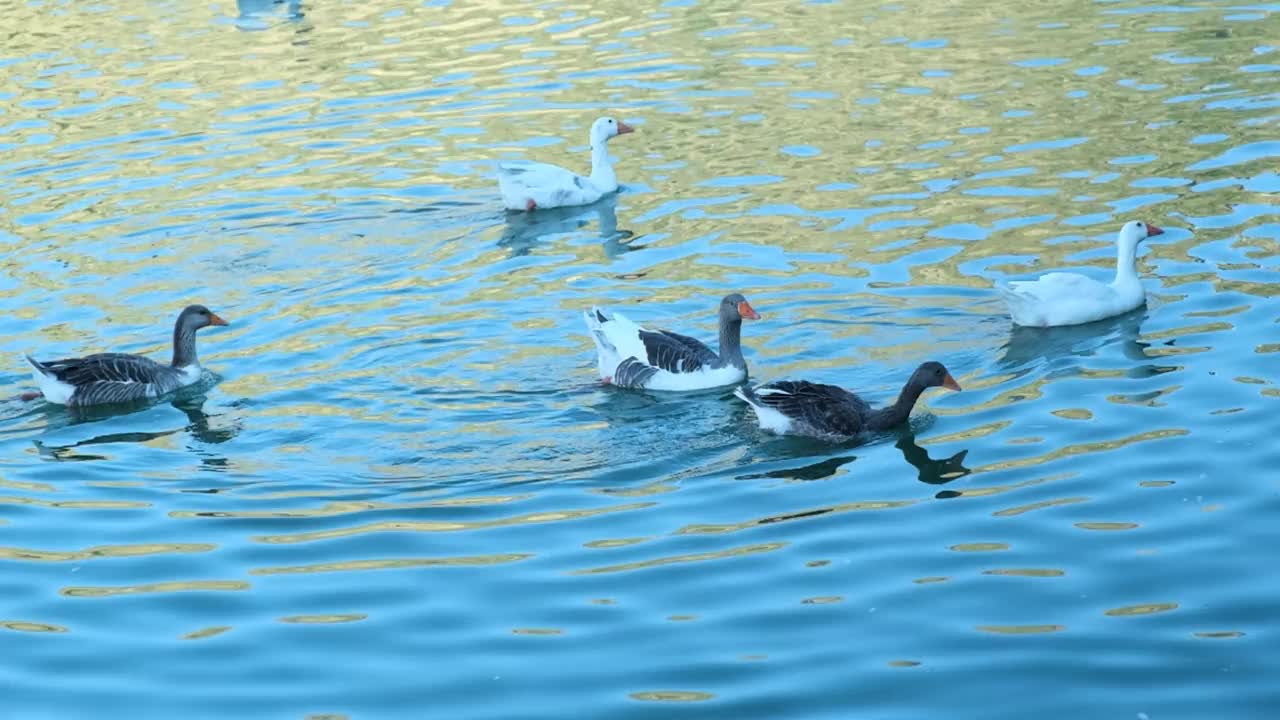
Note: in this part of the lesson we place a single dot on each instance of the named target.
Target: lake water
(405, 494)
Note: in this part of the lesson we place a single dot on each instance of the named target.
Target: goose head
(606, 127)
(734, 307)
(1134, 232)
(932, 374)
(194, 317)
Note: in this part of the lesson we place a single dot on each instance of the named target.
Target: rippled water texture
(405, 494)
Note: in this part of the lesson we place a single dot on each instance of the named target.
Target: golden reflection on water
(1022, 509)
(75, 504)
(1026, 572)
(672, 696)
(397, 563)
(979, 547)
(440, 526)
(103, 551)
(206, 632)
(676, 559)
(345, 507)
(1107, 525)
(31, 627)
(1146, 609)
(323, 619)
(1021, 629)
(164, 587)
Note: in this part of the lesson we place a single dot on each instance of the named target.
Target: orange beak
(624, 128)
(1153, 231)
(215, 320)
(748, 312)
(950, 383)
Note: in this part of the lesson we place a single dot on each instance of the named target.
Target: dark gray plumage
(805, 408)
(106, 378)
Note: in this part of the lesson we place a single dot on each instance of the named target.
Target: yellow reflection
(979, 547)
(440, 526)
(904, 663)
(1106, 525)
(28, 486)
(1010, 512)
(823, 600)
(717, 529)
(343, 507)
(675, 559)
(1026, 572)
(323, 619)
(206, 632)
(103, 551)
(672, 696)
(25, 626)
(165, 587)
(1146, 609)
(75, 504)
(615, 543)
(398, 563)
(1082, 449)
(1020, 629)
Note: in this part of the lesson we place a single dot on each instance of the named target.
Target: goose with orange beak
(630, 356)
(1061, 298)
(108, 378)
(529, 186)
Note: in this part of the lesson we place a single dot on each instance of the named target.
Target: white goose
(1071, 299)
(533, 185)
(631, 357)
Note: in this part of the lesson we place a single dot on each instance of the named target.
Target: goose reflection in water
(929, 470)
(525, 231)
(1060, 348)
(198, 425)
(1054, 345)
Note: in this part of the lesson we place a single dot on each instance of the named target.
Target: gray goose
(106, 378)
(799, 407)
(630, 356)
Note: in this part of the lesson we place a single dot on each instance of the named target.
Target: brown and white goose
(799, 407)
(631, 357)
(106, 378)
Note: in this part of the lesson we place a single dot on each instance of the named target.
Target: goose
(106, 378)
(1071, 299)
(531, 186)
(631, 357)
(799, 407)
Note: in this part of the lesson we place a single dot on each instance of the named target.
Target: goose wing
(825, 408)
(677, 353)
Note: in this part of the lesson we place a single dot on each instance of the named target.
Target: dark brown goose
(107, 378)
(804, 408)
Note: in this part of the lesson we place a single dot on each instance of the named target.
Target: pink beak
(1153, 231)
(624, 128)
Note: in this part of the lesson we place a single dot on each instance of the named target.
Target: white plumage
(533, 185)
(1071, 299)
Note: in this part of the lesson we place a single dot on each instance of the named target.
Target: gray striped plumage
(109, 378)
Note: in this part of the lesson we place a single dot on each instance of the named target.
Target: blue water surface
(403, 492)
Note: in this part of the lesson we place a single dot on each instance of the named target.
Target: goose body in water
(1071, 299)
(107, 378)
(630, 356)
(533, 186)
(799, 407)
